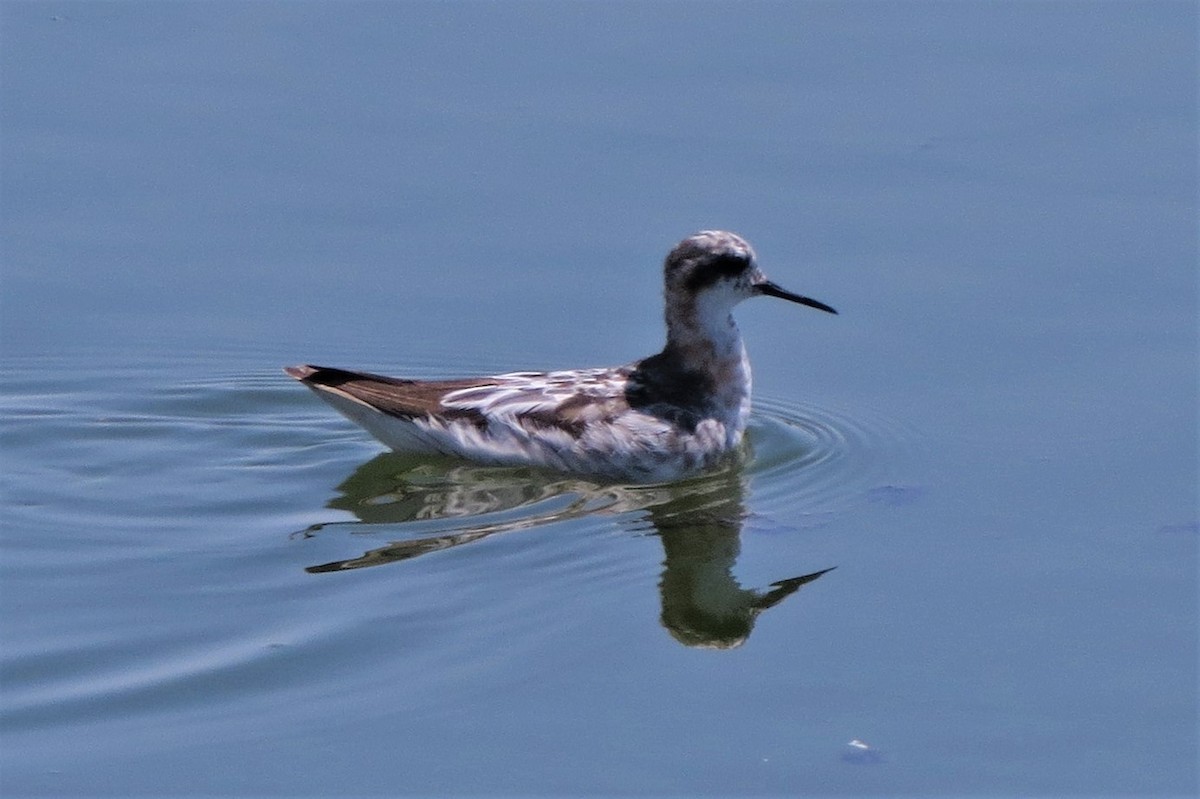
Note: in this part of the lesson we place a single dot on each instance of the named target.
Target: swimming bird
(665, 417)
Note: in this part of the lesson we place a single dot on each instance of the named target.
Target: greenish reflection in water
(699, 522)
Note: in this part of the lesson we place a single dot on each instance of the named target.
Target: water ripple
(205, 483)
(815, 460)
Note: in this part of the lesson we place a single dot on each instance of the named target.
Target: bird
(660, 419)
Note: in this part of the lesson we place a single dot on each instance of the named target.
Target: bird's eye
(728, 265)
(722, 267)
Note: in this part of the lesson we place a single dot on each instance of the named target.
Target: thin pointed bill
(771, 290)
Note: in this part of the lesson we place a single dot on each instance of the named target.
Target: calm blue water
(213, 584)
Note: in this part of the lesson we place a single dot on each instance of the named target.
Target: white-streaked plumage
(662, 418)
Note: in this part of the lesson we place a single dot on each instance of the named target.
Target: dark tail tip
(301, 372)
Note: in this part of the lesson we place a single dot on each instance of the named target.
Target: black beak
(771, 290)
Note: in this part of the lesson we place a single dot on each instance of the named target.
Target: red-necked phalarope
(658, 419)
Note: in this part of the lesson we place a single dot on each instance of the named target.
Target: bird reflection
(702, 602)
(699, 522)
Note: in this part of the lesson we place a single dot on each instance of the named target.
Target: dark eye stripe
(729, 265)
(722, 266)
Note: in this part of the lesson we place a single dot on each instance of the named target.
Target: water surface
(964, 534)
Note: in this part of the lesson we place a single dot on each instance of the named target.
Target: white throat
(702, 334)
(704, 328)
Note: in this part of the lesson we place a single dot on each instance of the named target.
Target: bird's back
(608, 422)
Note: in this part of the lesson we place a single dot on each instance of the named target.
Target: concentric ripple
(815, 460)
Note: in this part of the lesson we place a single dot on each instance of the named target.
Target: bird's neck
(703, 336)
(706, 341)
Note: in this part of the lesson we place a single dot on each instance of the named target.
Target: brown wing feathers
(392, 395)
